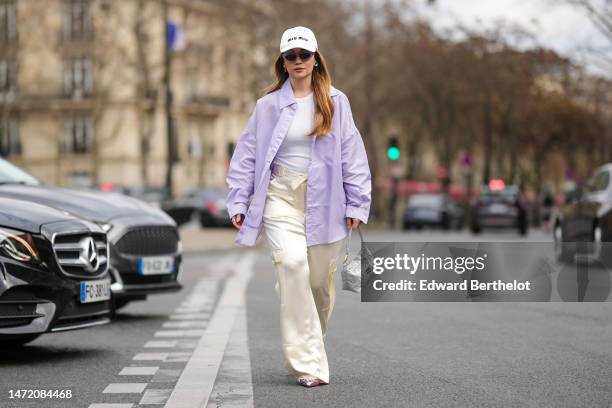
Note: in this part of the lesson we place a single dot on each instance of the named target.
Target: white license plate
(95, 291)
(155, 265)
(498, 209)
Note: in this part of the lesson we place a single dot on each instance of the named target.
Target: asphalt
(408, 354)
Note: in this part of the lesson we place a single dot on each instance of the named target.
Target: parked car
(586, 218)
(432, 210)
(207, 205)
(150, 194)
(499, 206)
(144, 245)
(53, 272)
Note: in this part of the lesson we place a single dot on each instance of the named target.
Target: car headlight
(18, 245)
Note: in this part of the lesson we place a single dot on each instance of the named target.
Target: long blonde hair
(324, 106)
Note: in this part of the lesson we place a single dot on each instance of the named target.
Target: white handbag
(352, 272)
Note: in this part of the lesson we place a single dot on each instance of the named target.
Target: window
(78, 77)
(77, 20)
(10, 145)
(8, 76)
(8, 20)
(78, 134)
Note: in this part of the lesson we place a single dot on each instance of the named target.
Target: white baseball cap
(298, 37)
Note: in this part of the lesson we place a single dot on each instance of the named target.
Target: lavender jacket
(339, 179)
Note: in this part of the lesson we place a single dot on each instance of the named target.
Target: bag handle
(348, 242)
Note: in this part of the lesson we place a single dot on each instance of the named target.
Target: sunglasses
(292, 56)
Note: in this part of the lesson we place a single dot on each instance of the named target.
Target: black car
(207, 205)
(53, 272)
(585, 222)
(144, 245)
(436, 210)
(499, 206)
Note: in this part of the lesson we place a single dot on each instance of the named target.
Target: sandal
(308, 381)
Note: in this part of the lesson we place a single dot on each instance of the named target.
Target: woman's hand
(237, 220)
(352, 223)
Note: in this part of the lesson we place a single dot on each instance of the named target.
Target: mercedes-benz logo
(89, 254)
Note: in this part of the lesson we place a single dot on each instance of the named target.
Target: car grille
(75, 256)
(134, 279)
(154, 240)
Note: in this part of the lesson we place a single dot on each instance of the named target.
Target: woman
(300, 173)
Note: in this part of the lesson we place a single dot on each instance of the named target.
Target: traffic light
(393, 151)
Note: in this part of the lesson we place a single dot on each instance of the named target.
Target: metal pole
(170, 154)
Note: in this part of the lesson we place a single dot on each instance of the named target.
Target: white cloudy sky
(558, 25)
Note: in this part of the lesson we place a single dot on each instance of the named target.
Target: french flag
(176, 37)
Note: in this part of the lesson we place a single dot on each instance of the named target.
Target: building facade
(83, 91)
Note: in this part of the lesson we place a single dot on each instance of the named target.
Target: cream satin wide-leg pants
(304, 275)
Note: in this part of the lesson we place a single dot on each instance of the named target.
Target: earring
(285, 68)
(316, 64)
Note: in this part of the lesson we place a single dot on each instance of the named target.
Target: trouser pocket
(277, 260)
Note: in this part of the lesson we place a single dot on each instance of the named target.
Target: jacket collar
(286, 96)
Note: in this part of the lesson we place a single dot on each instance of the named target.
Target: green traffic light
(393, 153)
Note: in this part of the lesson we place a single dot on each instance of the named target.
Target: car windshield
(425, 200)
(207, 193)
(508, 194)
(11, 174)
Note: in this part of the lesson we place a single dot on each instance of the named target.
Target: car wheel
(18, 342)
(475, 229)
(206, 220)
(562, 249)
(523, 228)
(459, 225)
(446, 222)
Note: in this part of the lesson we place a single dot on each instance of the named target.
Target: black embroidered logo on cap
(297, 38)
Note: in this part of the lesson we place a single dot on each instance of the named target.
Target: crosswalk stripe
(155, 396)
(125, 388)
(138, 371)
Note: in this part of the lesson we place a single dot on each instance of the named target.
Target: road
(217, 344)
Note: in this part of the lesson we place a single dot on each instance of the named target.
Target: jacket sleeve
(355, 168)
(241, 172)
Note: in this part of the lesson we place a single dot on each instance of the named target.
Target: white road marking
(189, 310)
(190, 316)
(150, 356)
(111, 405)
(192, 313)
(161, 344)
(176, 357)
(196, 383)
(234, 383)
(179, 344)
(139, 370)
(167, 357)
(180, 333)
(184, 324)
(125, 388)
(155, 397)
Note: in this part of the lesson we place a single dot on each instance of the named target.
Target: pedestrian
(300, 174)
